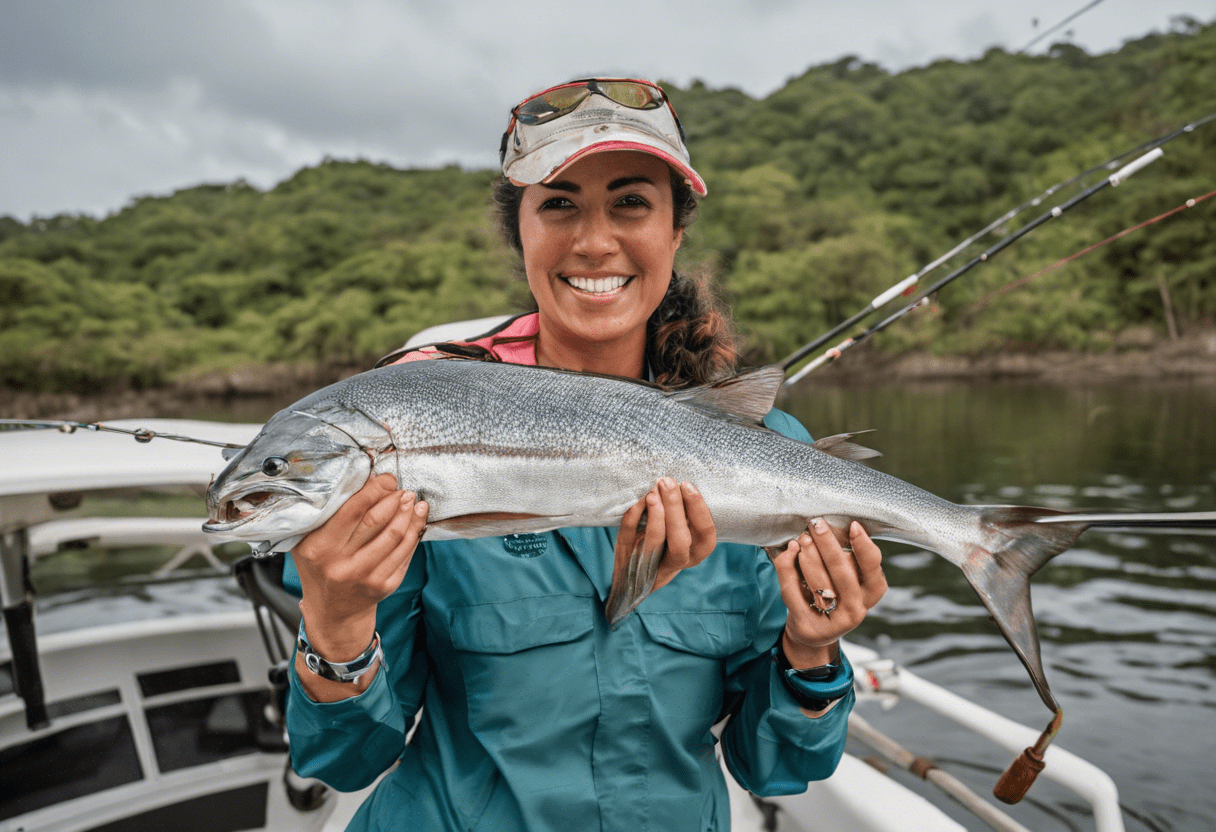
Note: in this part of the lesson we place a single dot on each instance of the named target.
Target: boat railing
(130, 532)
(883, 679)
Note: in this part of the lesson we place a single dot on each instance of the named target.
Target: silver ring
(830, 597)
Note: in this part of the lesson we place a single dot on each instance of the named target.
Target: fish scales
(560, 429)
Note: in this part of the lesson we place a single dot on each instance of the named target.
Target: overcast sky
(101, 101)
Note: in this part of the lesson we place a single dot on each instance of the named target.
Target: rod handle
(1019, 777)
(1136, 166)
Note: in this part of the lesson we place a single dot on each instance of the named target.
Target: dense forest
(821, 195)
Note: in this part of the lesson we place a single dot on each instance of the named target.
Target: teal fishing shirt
(536, 715)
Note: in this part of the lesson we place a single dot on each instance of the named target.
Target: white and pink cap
(535, 153)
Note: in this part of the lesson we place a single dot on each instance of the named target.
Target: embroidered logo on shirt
(525, 545)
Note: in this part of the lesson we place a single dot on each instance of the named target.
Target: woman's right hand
(355, 560)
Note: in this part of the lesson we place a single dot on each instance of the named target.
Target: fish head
(289, 480)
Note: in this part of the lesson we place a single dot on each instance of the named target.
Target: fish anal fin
(747, 397)
(840, 446)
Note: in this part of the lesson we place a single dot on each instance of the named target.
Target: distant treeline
(821, 195)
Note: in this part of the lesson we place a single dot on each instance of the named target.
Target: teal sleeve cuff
(348, 743)
(772, 747)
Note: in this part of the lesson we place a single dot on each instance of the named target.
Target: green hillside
(821, 195)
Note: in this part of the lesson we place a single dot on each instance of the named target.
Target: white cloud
(104, 100)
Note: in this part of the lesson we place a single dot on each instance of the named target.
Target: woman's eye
(556, 202)
(632, 201)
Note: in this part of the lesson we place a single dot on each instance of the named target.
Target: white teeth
(597, 285)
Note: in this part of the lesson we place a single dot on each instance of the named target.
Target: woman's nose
(595, 236)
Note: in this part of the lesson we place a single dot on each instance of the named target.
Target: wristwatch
(815, 687)
(347, 672)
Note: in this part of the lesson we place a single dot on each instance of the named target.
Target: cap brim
(545, 163)
(691, 176)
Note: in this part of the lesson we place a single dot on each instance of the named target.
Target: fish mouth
(241, 510)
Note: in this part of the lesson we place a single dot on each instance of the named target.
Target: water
(1127, 621)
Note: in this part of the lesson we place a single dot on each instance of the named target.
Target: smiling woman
(574, 688)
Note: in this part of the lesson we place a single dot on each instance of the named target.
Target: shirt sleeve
(771, 747)
(347, 744)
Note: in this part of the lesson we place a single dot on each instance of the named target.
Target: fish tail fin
(633, 576)
(1015, 546)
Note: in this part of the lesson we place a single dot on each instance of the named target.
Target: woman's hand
(354, 561)
(676, 515)
(815, 573)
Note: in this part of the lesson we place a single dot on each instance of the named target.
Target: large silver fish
(502, 449)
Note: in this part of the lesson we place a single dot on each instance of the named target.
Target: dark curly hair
(690, 337)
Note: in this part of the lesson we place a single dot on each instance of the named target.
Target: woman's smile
(599, 286)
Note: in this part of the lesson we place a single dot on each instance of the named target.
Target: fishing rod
(140, 434)
(906, 286)
(1110, 181)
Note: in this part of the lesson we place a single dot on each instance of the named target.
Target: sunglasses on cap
(564, 99)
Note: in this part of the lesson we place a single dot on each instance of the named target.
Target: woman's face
(598, 248)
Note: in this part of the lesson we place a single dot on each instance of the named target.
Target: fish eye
(275, 466)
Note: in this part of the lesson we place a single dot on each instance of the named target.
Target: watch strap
(346, 672)
(817, 687)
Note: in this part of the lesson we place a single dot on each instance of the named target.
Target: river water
(1127, 621)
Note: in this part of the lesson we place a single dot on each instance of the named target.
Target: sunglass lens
(633, 95)
(549, 105)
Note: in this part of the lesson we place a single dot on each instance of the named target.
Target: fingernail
(652, 498)
(421, 508)
(667, 482)
(407, 496)
(854, 529)
(817, 524)
(690, 488)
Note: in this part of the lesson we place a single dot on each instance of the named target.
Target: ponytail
(690, 337)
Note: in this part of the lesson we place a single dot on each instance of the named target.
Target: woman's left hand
(813, 569)
(677, 517)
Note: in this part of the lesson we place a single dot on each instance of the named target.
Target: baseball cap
(551, 130)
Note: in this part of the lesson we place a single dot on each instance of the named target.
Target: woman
(538, 714)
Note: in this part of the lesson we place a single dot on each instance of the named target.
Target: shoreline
(263, 389)
(1190, 358)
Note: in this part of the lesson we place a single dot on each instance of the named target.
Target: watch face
(819, 674)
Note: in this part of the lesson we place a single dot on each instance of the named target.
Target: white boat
(160, 713)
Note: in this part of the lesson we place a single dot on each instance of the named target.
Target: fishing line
(140, 434)
(908, 285)
(1022, 281)
(1062, 23)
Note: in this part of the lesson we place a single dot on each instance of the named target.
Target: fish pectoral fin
(746, 398)
(840, 446)
(633, 576)
(492, 524)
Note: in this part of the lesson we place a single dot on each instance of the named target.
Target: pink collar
(512, 352)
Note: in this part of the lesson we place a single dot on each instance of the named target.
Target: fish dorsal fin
(840, 446)
(747, 397)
